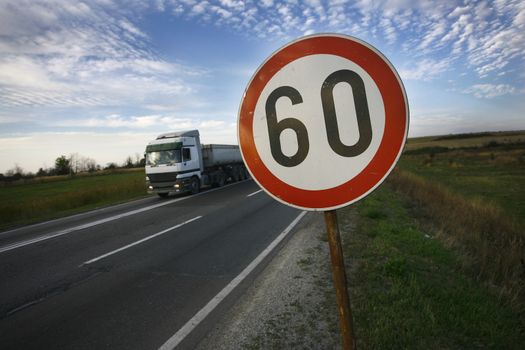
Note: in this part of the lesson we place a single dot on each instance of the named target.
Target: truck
(177, 162)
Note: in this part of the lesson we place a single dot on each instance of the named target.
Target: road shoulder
(286, 305)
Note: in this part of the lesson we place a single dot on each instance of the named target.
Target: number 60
(275, 128)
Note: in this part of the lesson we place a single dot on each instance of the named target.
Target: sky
(101, 78)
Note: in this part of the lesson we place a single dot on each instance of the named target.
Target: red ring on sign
(396, 122)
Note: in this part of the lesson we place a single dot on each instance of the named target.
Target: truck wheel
(195, 185)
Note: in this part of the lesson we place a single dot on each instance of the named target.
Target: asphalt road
(130, 276)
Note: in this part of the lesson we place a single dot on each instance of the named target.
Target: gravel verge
(290, 305)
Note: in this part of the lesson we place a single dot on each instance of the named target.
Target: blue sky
(102, 78)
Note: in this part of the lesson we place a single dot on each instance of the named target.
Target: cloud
(59, 53)
(238, 5)
(458, 11)
(24, 72)
(425, 70)
(435, 30)
(118, 121)
(490, 90)
(158, 122)
(487, 35)
(267, 3)
(131, 28)
(57, 37)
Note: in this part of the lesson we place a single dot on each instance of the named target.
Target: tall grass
(408, 290)
(492, 244)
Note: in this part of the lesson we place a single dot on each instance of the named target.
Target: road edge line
(254, 193)
(189, 326)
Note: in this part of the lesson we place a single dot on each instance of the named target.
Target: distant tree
(51, 172)
(86, 164)
(41, 172)
(111, 166)
(137, 160)
(17, 169)
(91, 165)
(128, 163)
(74, 163)
(62, 165)
(14, 174)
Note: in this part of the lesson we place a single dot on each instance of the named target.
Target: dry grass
(466, 140)
(58, 178)
(492, 244)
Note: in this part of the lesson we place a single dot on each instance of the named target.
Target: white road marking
(89, 212)
(97, 222)
(182, 333)
(254, 193)
(140, 241)
(88, 225)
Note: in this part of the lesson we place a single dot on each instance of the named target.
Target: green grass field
(490, 169)
(409, 290)
(34, 201)
(435, 257)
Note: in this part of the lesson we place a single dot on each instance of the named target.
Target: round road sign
(323, 122)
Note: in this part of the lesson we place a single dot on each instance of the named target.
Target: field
(487, 168)
(41, 199)
(409, 289)
(436, 256)
(466, 140)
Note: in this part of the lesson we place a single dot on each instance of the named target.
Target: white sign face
(323, 122)
(307, 75)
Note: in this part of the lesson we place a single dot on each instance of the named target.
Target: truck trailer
(177, 162)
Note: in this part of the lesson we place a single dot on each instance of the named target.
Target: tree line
(71, 165)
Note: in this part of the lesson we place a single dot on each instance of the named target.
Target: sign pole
(339, 275)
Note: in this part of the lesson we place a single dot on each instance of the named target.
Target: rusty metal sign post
(339, 274)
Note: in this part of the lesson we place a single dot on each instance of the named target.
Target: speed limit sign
(323, 122)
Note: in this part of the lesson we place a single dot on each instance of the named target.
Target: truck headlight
(150, 187)
(176, 185)
(147, 178)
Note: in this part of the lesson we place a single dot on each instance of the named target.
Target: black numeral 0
(275, 128)
(361, 109)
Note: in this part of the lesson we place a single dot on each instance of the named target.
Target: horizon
(134, 155)
(102, 79)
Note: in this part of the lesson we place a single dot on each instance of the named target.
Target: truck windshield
(163, 157)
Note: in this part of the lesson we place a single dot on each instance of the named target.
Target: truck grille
(162, 177)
